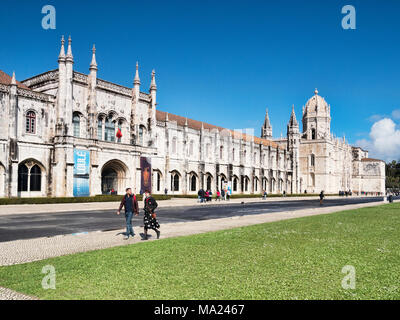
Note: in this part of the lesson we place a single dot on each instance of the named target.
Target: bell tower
(316, 118)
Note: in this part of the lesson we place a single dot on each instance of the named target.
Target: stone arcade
(63, 131)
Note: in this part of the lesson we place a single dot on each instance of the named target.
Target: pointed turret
(62, 89)
(153, 93)
(153, 85)
(69, 66)
(61, 56)
(93, 63)
(13, 80)
(69, 56)
(293, 121)
(136, 81)
(266, 130)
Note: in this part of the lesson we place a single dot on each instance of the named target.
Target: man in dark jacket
(131, 207)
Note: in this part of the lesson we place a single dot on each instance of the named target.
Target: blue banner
(81, 173)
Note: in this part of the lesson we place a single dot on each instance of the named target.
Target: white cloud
(396, 114)
(384, 140)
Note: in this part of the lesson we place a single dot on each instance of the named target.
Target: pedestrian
(218, 196)
(131, 207)
(201, 195)
(223, 194)
(321, 198)
(206, 196)
(150, 218)
(166, 191)
(228, 196)
(265, 195)
(210, 195)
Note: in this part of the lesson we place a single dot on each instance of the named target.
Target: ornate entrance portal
(114, 177)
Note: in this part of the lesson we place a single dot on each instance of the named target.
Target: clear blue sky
(224, 62)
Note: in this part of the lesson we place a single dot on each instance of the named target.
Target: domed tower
(316, 118)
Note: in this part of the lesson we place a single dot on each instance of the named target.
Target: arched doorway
(114, 177)
(193, 183)
(209, 182)
(175, 177)
(2, 181)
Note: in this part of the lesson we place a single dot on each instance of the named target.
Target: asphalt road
(27, 226)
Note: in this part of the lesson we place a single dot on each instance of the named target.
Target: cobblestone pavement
(22, 251)
(7, 294)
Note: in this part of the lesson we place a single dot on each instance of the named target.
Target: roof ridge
(206, 125)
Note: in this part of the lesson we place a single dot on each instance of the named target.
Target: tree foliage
(393, 174)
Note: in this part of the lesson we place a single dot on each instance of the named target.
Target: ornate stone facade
(46, 118)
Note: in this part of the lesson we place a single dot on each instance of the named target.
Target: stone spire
(153, 85)
(93, 64)
(293, 121)
(69, 51)
(61, 56)
(13, 81)
(136, 81)
(266, 130)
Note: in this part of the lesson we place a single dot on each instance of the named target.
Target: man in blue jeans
(131, 207)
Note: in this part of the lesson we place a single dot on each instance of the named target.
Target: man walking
(321, 198)
(131, 207)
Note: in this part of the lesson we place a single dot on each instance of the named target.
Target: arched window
(22, 178)
(191, 148)
(175, 182)
(235, 184)
(244, 156)
(36, 178)
(312, 179)
(312, 160)
(221, 152)
(246, 183)
(193, 183)
(109, 134)
(209, 183)
(76, 123)
(313, 134)
(141, 135)
(233, 154)
(174, 147)
(158, 181)
(30, 122)
(100, 128)
(120, 129)
(29, 178)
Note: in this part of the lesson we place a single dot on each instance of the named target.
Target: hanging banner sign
(81, 173)
(145, 168)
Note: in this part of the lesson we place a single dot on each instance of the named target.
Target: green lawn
(292, 259)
